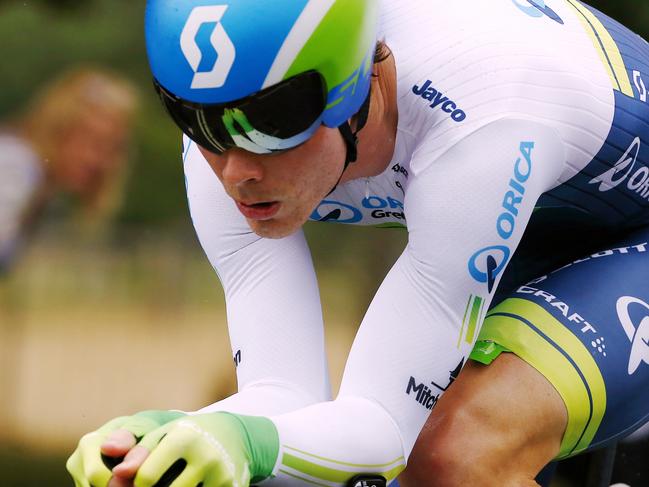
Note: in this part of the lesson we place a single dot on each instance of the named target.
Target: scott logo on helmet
(220, 41)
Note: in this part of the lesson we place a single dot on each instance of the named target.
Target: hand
(121, 445)
(98, 452)
(212, 450)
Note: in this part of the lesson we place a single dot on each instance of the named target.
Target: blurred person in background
(73, 138)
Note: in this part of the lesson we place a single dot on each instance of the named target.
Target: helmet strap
(351, 136)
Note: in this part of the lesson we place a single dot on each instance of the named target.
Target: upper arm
(425, 317)
(467, 212)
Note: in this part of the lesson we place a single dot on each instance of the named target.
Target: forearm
(275, 318)
(273, 303)
(387, 391)
(264, 398)
(334, 441)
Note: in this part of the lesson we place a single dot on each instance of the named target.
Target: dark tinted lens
(283, 111)
(289, 108)
(186, 117)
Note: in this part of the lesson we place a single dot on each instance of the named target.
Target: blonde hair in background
(65, 102)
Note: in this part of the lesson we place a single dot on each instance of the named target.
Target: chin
(275, 229)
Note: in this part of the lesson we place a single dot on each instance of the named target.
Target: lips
(259, 211)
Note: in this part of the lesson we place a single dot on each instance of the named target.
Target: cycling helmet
(262, 75)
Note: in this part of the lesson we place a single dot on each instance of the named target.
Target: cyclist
(480, 120)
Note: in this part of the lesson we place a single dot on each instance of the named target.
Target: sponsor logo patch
(537, 8)
(563, 308)
(624, 173)
(378, 207)
(486, 264)
(424, 394)
(636, 329)
(439, 101)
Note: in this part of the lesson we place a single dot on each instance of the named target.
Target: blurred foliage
(23, 467)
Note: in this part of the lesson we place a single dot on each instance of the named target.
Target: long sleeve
(273, 304)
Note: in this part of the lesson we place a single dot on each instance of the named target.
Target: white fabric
(264, 398)
(20, 177)
(274, 315)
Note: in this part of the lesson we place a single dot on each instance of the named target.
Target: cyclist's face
(277, 192)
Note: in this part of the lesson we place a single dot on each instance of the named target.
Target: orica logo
(638, 334)
(330, 210)
(622, 169)
(221, 42)
(486, 264)
(378, 208)
(537, 8)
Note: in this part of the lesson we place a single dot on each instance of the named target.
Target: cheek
(325, 162)
(315, 180)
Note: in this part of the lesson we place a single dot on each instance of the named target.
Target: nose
(241, 167)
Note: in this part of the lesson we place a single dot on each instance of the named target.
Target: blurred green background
(94, 328)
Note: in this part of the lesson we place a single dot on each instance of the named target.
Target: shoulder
(462, 65)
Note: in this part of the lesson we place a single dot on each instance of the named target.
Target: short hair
(381, 52)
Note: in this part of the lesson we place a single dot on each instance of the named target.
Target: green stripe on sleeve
(329, 474)
(303, 479)
(475, 318)
(399, 460)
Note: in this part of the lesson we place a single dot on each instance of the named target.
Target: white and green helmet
(262, 75)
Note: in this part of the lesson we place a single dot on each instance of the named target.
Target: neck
(377, 140)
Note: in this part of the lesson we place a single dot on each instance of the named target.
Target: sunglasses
(275, 119)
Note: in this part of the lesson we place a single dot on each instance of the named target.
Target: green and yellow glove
(212, 450)
(88, 466)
